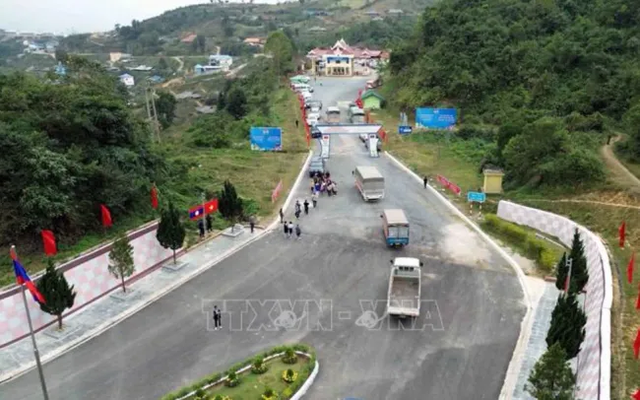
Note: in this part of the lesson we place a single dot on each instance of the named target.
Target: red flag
(49, 241)
(630, 268)
(211, 206)
(638, 300)
(106, 216)
(636, 395)
(621, 232)
(154, 197)
(636, 345)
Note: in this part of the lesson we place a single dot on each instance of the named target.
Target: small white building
(222, 61)
(127, 80)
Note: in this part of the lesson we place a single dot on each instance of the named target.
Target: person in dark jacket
(298, 232)
(209, 223)
(425, 181)
(306, 206)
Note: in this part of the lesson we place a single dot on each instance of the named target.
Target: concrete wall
(594, 359)
(91, 278)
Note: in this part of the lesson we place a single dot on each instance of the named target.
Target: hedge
(209, 379)
(534, 248)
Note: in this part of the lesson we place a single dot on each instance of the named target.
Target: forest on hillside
(543, 82)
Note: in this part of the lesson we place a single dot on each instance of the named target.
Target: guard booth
(371, 130)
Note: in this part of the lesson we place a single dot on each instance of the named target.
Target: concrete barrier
(594, 359)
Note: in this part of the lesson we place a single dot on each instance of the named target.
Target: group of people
(322, 183)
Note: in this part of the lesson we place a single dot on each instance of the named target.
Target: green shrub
(232, 379)
(287, 393)
(527, 242)
(289, 356)
(259, 366)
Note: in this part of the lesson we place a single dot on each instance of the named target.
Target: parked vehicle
(315, 133)
(369, 182)
(299, 87)
(356, 115)
(333, 115)
(313, 119)
(403, 298)
(395, 227)
(314, 106)
(316, 165)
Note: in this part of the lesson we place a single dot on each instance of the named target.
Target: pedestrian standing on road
(425, 181)
(201, 228)
(252, 223)
(290, 228)
(216, 318)
(297, 123)
(306, 207)
(298, 232)
(297, 205)
(286, 229)
(314, 199)
(281, 216)
(298, 212)
(209, 223)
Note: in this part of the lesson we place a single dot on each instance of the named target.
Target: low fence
(594, 359)
(91, 278)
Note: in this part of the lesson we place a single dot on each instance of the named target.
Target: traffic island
(234, 231)
(60, 334)
(173, 267)
(129, 295)
(280, 373)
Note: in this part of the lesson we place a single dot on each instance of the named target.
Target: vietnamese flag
(211, 206)
(636, 345)
(630, 268)
(106, 216)
(621, 232)
(636, 395)
(638, 300)
(154, 197)
(49, 241)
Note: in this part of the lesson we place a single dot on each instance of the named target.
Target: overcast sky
(77, 16)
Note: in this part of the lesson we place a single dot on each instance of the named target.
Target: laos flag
(22, 278)
(196, 212)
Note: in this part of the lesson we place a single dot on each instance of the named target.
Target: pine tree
(567, 325)
(56, 291)
(171, 231)
(579, 273)
(561, 272)
(121, 259)
(229, 204)
(551, 378)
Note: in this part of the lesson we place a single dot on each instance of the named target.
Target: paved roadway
(459, 348)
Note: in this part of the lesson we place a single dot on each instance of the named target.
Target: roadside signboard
(476, 197)
(266, 139)
(436, 118)
(405, 130)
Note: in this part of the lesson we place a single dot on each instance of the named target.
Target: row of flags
(622, 230)
(207, 208)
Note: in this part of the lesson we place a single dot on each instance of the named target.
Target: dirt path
(179, 60)
(174, 81)
(621, 173)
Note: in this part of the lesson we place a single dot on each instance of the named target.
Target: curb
(126, 314)
(515, 364)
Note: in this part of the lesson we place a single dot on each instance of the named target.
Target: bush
(232, 379)
(289, 356)
(200, 395)
(532, 247)
(289, 375)
(259, 366)
(221, 397)
(287, 392)
(269, 394)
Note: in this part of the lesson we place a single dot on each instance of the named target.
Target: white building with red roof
(340, 59)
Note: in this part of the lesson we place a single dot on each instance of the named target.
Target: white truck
(404, 287)
(370, 182)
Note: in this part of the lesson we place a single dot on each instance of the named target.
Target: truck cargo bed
(404, 293)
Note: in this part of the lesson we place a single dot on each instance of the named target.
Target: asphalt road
(458, 349)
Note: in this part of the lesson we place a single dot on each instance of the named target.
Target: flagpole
(204, 212)
(33, 340)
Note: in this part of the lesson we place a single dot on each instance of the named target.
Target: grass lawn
(252, 385)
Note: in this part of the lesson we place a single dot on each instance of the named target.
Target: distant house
(142, 68)
(372, 13)
(189, 38)
(224, 62)
(317, 29)
(395, 11)
(371, 100)
(377, 19)
(117, 56)
(156, 79)
(206, 69)
(188, 95)
(254, 41)
(127, 80)
(205, 110)
(34, 46)
(51, 46)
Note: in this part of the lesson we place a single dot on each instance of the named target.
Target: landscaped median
(283, 372)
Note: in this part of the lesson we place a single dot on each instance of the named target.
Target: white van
(301, 87)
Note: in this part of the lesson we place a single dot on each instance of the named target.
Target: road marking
(342, 315)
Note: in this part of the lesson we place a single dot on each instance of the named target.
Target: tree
(236, 103)
(551, 378)
(57, 294)
(561, 272)
(61, 56)
(162, 64)
(281, 49)
(121, 259)
(229, 204)
(567, 325)
(200, 44)
(166, 108)
(171, 231)
(579, 272)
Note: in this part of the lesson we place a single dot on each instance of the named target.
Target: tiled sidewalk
(537, 344)
(105, 312)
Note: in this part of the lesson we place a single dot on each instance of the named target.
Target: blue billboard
(266, 139)
(436, 118)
